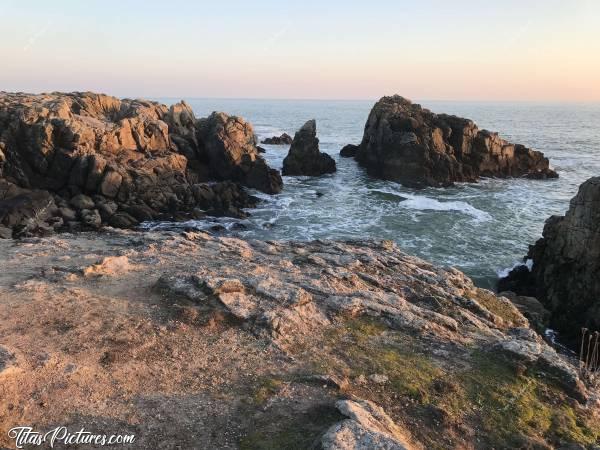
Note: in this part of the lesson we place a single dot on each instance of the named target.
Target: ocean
(482, 229)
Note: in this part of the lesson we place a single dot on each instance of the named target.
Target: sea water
(482, 229)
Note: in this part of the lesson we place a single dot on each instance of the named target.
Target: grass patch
(266, 388)
(506, 310)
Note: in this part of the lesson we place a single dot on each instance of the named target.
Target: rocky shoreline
(272, 344)
(218, 342)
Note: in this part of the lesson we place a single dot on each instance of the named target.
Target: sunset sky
(461, 50)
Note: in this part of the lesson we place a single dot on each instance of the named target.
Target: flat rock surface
(198, 341)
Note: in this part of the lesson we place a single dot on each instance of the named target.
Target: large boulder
(124, 152)
(228, 143)
(407, 143)
(304, 157)
(565, 275)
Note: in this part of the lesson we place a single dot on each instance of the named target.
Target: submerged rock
(304, 157)
(406, 143)
(85, 150)
(284, 139)
(565, 275)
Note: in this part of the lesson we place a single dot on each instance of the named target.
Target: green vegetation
(493, 304)
(267, 387)
(504, 408)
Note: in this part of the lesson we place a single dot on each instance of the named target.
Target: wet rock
(349, 151)
(25, 211)
(367, 427)
(565, 275)
(91, 218)
(409, 144)
(67, 214)
(284, 139)
(304, 157)
(122, 220)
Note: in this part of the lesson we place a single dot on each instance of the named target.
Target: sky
(507, 50)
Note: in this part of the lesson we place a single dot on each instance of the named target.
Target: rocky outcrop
(274, 344)
(407, 143)
(284, 139)
(367, 427)
(565, 274)
(134, 154)
(349, 151)
(304, 157)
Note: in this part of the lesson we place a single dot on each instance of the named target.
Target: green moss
(500, 308)
(510, 406)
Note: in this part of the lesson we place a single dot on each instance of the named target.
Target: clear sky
(460, 50)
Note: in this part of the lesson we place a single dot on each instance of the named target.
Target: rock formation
(406, 143)
(565, 275)
(349, 151)
(127, 154)
(304, 157)
(276, 344)
(284, 139)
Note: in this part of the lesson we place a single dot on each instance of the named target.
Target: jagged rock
(409, 144)
(5, 233)
(24, 211)
(565, 275)
(532, 308)
(304, 157)
(91, 218)
(81, 146)
(122, 220)
(229, 144)
(284, 139)
(349, 151)
(367, 427)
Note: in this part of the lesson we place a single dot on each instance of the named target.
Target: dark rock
(82, 201)
(141, 213)
(565, 275)
(229, 145)
(284, 139)
(532, 309)
(260, 149)
(24, 210)
(122, 220)
(520, 279)
(90, 218)
(5, 233)
(409, 144)
(67, 214)
(304, 157)
(133, 152)
(349, 151)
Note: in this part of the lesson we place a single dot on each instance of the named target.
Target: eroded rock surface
(304, 157)
(135, 154)
(407, 143)
(208, 341)
(284, 139)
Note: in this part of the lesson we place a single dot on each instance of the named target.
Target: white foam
(421, 202)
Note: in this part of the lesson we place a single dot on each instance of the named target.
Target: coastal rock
(565, 275)
(349, 151)
(25, 211)
(229, 144)
(407, 143)
(304, 157)
(86, 150)
(367, 427)
(285, 329)
(284, 139)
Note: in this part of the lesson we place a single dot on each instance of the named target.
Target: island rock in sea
(407, 143)
(565, 274)
(304, 157)
(274, 344)
(131, 160)
(284, 139)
